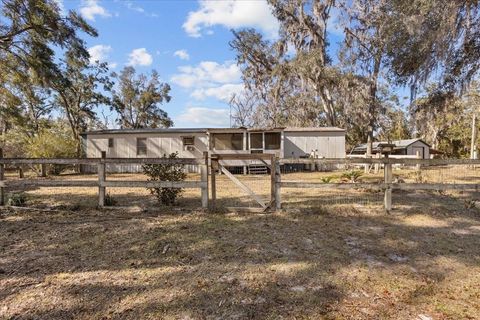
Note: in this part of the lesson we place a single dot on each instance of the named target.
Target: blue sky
(185, 41)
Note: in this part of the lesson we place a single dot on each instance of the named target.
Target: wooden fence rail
(102, 183)
(214, 162)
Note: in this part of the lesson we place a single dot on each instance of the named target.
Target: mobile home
(328, 142)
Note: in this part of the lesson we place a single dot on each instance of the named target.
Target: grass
(337, 263)
(329, 255)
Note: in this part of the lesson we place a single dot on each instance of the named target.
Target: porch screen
(272, 140)
(228, 141)
(256, 141)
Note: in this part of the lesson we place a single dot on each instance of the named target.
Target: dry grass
(342, 263)
(316, 260)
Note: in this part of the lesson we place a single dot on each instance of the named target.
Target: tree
(32, 32)
(54, 141)
(303, 23)
(243, 107)
(138, 99)
(31, 29)
(290, 89)
(366, 36)
(435, 40)
(77, 91)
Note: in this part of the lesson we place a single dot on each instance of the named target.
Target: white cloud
(182, 54)
(201, 116)
(99, 52)
(232, 14)
(91, 8)
(210, 79)
(207, 73)
(131, 6)
(140, 57)
(223, 92)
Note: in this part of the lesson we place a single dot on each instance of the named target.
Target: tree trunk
(373, 102)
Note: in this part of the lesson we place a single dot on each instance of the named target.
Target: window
(141, 146)
(272, 140)
(256, 141)
(110, 142)
(188, 141)
(228, 141)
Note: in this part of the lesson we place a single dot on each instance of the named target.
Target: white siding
(158, 144)
(325, 144)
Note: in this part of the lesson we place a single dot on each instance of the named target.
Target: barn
(406, 147)
(328, 142)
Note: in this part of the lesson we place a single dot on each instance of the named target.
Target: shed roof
(399, 144)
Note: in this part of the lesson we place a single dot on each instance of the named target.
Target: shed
(408, 147)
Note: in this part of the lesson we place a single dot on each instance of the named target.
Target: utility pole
(473, 145)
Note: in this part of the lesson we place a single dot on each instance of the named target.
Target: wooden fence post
(388, 181)
(278, 181)
(377, 165)
(213, 168)
(418, 166)
(43, 167)
(101, 180)
(2, 176)
(273, 185)
(204, 178)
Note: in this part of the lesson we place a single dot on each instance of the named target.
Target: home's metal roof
(205, 130)
(148, 130)
(313, 129)
(399, 144)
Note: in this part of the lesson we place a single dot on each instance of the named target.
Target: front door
(420, 150)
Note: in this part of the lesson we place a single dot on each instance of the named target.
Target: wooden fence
(102, 183)
(387, 185)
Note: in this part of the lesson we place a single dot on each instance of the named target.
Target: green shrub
(352, 175)
(326, 179)
(17, 199)
(54, 142)
(109, 200)
(165, 172)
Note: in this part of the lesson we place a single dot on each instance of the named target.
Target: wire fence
(294, 184)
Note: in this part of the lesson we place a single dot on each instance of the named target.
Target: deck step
(257, 169)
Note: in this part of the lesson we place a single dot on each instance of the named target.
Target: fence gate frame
(215, 165)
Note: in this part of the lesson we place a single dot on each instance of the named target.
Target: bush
(109, 200)
(326, 179)
(54, 142)
(352, 175)
(165, 172)
(17, 199)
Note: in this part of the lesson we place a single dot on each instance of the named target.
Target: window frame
(279, 140)
(139, 152)
(184, 142)
(111, 143)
